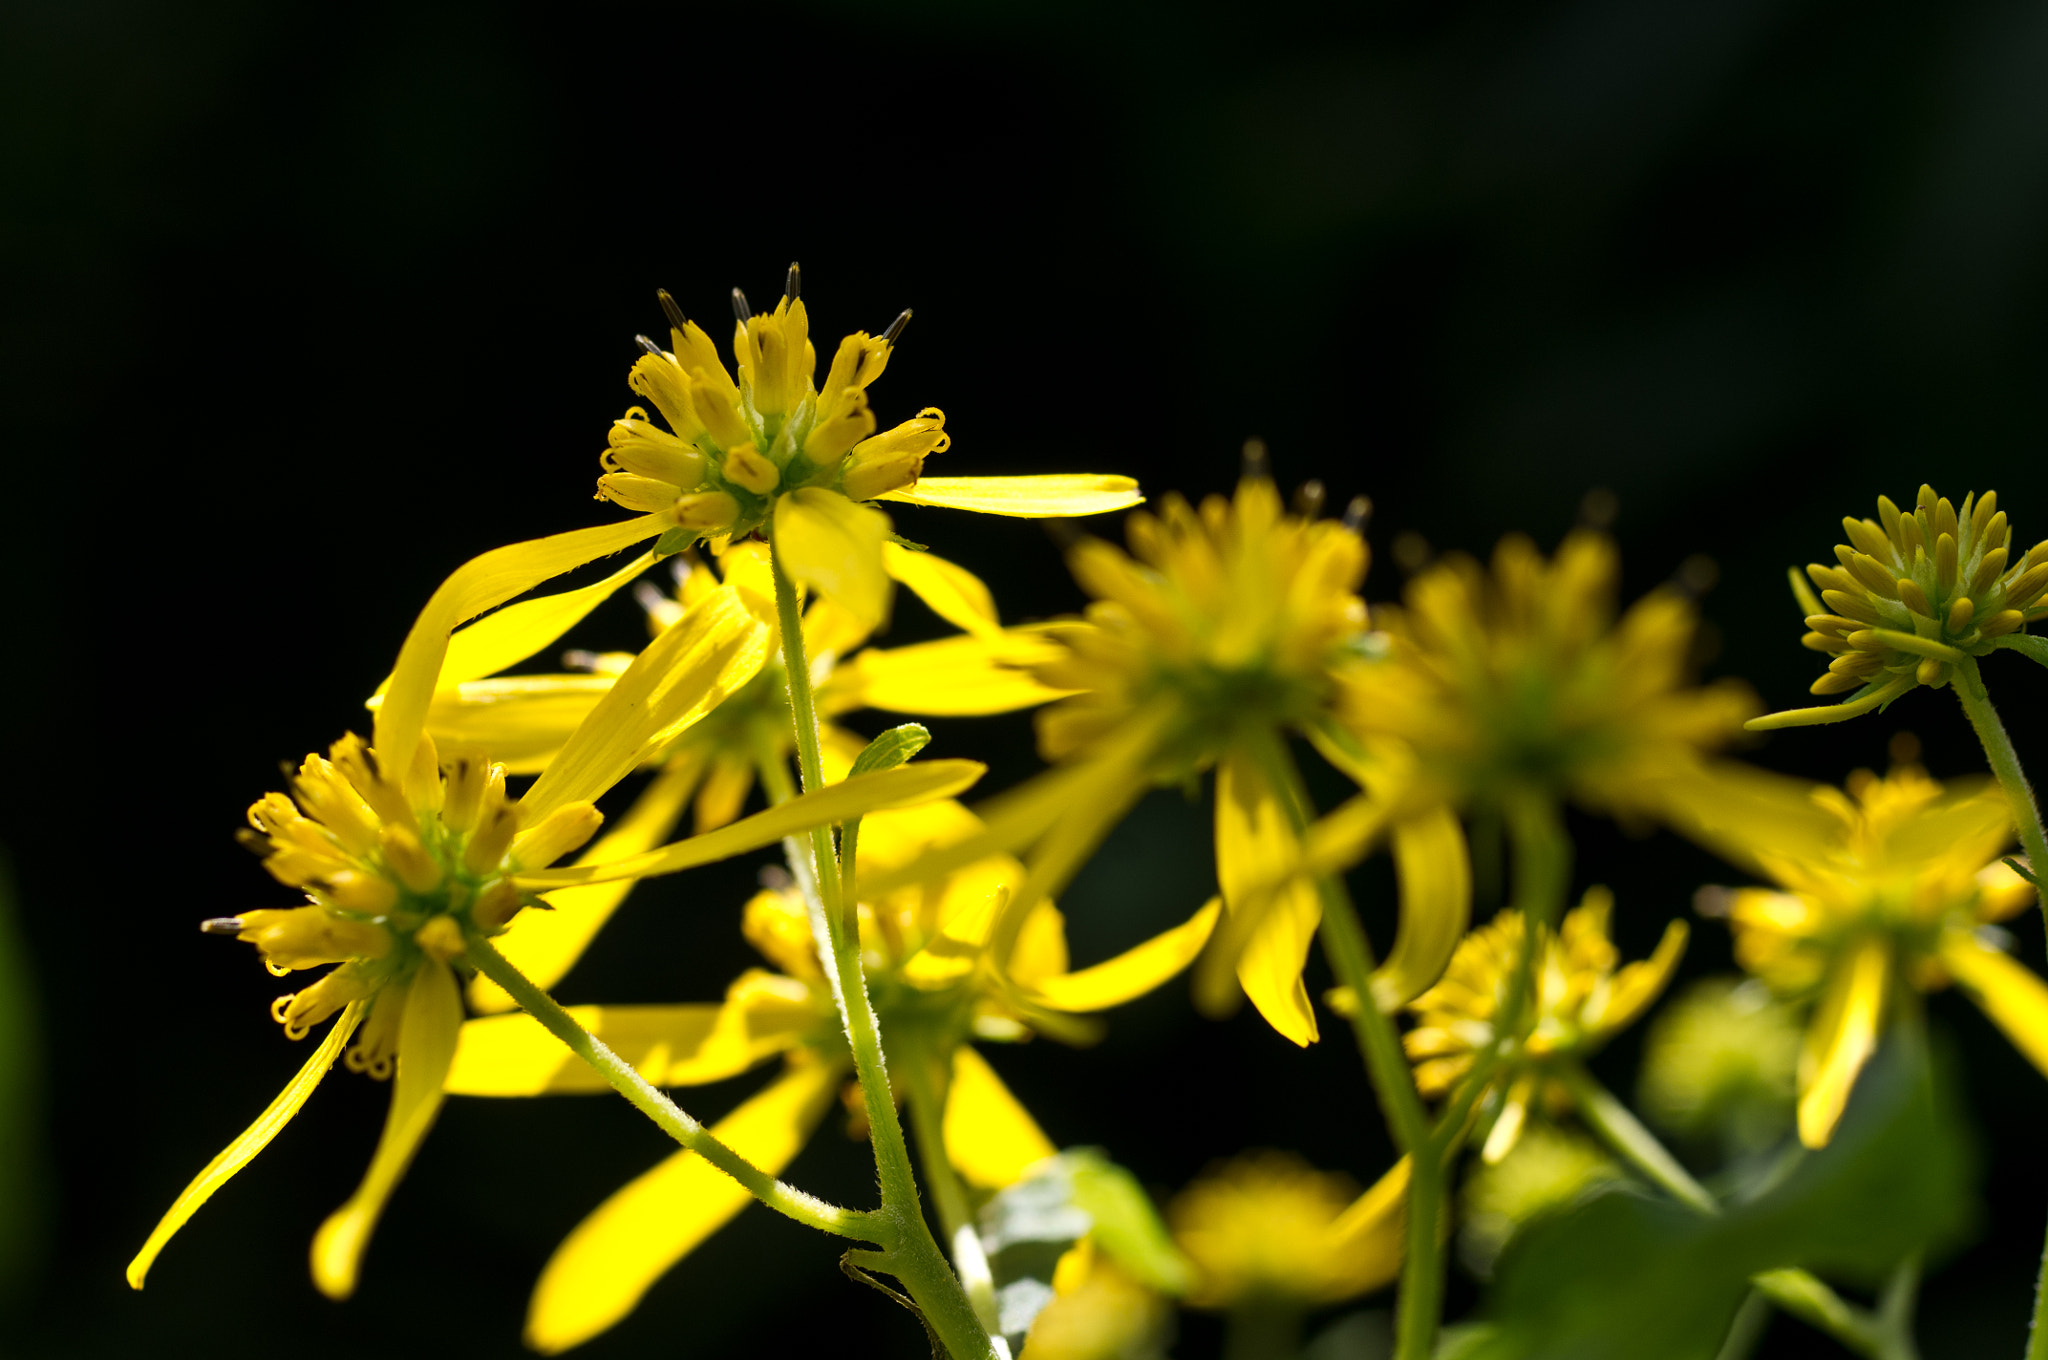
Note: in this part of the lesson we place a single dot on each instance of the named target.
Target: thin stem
(927, 1103)
(2005, 763)
(812, 1212)
(1884, 1335)
(913, 1257)
(1747, 1328)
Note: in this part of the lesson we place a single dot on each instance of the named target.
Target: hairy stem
(2005, 763)
(926, 1084)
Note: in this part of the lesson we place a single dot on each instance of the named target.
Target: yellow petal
(826, 541)
(613, 1257)
(1256, 846)
(1637, 985)
(518, 631)
(511, 1055)
(519, 721)
(1132, 973)
(1052, 496)
(1840, 1040)
(252, 1140)
(954, 593)
(479, 584)
(1368, 1240)
(1746, 815)
(917, 782)
(2006, 990)
(1435, 873)
(951, 677)
(683, 674)
(990, 1138)
(544, 945)
(426, 1046)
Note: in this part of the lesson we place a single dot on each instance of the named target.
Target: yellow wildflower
(775, 452)
(925, 958)
(1911, 597)
(1883, 888)
(1581, 998)
(1267, 1231)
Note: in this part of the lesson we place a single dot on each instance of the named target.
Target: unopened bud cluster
(1932, 577)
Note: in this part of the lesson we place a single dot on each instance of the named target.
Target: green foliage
(892, 748)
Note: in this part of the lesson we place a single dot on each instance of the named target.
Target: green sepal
(891, 749)
(673, 541)
(902, 542)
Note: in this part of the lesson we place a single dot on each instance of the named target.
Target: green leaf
(1127, 1226)
(2033, 648)
(2022, 870)
(902, 542)
(892, 748)
(1627, 1276)
(673, 541)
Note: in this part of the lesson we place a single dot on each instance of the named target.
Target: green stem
(1884, 1335)
(864, 1226)
(2005, 763)
(1747, 1328)
(926, 1092)
(914, 1258)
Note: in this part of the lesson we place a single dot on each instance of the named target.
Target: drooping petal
(1255, 847)
(827, 542)
(613, 1257)
(1841, 1039)
(1435, 874)
(520, 630)
(511, 1055)
(950, 677)
(954, 593)
(918, 782)
(1132, 973)
(990, 1137)
(1746, 815)
(251, 1141)
(1051, 496)
(683, 674)
(479, 584)
(2011, 994)
(426, 1047)
(1369, 1240)
(546, 944)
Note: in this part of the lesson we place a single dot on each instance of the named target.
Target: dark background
(301, 306)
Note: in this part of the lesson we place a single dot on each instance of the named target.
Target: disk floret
(396, 869)
(1922, 582)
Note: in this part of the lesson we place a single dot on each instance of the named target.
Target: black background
(305, 305)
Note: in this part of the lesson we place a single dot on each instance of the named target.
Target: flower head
(1720, 1060)
(774, 450)
(1581, 998)
(1882, 886)
(1265, 1229)
(1520, 678)
(1910, 597)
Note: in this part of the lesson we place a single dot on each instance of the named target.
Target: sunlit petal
(949, 677)
(2011, 994)
(1132, 973)
(1841, 1039)
(826, 541)
(1368, 1242)
(518, 631)
(1050, 496)
(954, 593)
(990, 1137)
(1255, 846)
(1435, 874)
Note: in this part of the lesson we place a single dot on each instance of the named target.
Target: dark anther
(668, 306)
(739, 305)
(789, 282)
(1257, 466)
(895, 331)
(774, 877)
(222, 925)
(254, 841)
(1308, 499)
(647, 345)
(1356, 514)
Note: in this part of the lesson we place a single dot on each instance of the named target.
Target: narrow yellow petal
(1435, 873)
(1833, 713)
(990, 1137)
(519, 721)
(1745, 815)
(426, 1047)
(714, 649)
(826, 541)
(1841, 1039)
(1052, 496)
(479, 584)
(518, 631)
(951, 677)
(601, 1270)
(1132, 973)
(918, 782)
(2007, 991)
(251, 1141)
(1637, 985)
(954, 593)
(544, 945)
(1368, 1241)
(1255, 847)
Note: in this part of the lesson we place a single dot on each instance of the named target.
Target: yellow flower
(775, 452)
(1266, 1230)
(1910, 598)
(925, 958)
(712, 765)
(1580, 999)
(1522, 680)
(1882, 891)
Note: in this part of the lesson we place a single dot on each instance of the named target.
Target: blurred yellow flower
(1911, 597)
(1098, 1312)
(1266, 1229)
(1881, 887)
(1581, 998)
(934, 991)
(775, 452)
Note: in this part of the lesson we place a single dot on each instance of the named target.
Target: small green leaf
(892, 748)
(902, 542)
(674, 541)
(2022, 870)
(1127, 1226)
(2033, 648)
